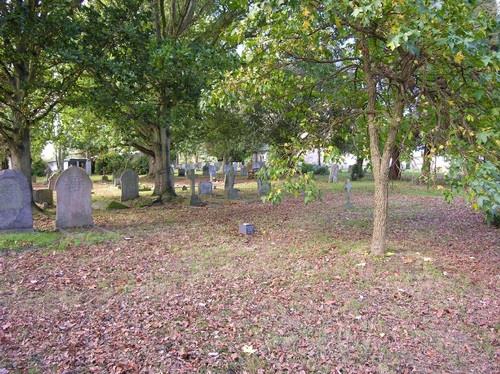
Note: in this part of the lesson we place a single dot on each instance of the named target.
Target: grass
(52, 240)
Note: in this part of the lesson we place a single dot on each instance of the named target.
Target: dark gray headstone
(244, 171)
(205, 170)
(130, 185)
(74, 205)
(44, 196)
(205, 188)
(181, 172)
(15, 202)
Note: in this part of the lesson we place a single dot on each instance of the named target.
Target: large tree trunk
(395, 168)
(380, 160)
(20, 153)
(163, 183)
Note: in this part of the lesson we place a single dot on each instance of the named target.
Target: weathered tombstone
(231, 192)
(263, 187)
(205, 170)
(74, 205)
(130, 185)
(43, 196)
(244, 171)
(105, 178)
(334, 173)
(181, 172)
(195, 199)
(205, 188)
(347, 189)
(212, 171)
(33, 179)
(53, 180)
(15, 202)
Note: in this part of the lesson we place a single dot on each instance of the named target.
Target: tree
(383, 57)
(41, 59)
(150, 83)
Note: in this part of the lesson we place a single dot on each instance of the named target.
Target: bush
(109, 163)
(315, 169)
(140, 165)
(38, 168)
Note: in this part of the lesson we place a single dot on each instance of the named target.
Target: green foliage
(315, 169)
(38, 168)
(110, 162)
(482, 183)
(140, 164)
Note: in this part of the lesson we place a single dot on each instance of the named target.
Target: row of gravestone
(73, 207)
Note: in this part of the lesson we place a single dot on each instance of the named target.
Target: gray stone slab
(130, 185)
(44, 196)
(74, 204)
(205, 188)
(15, 202)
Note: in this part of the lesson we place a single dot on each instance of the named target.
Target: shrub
(38, 168)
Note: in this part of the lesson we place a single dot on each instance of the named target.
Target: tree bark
(380, 161)
(163, 179)
(395, 168)
(425, 174)
(20, 153)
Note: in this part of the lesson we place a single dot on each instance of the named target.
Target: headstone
(247, 229)
(105, 178)
(205, 188)
(205, 171)
(15, 202)
(347, 189)
(33, 179)
(231, 192)
(244, 171)
(195, 199)
(74, 208)
(130, 185)
(263, 187)
(181, 172)
(334, 173)
(53, 180)
(212, 171)
(43, 196)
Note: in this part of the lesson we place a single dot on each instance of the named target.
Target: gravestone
(181, 172)
(263, 187)
(347, 189)
(130, 185)
(195, 199)
(212, 171)
(74, 208)
(334, 173)
(205, 170)
(247, 229)
(53, 181)
(244, 171)
(33, 179)
(205, 188)
(43, 196)
(15, 202)
(231, 192)
(104, 178)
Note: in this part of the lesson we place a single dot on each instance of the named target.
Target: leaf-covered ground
(180, 291)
